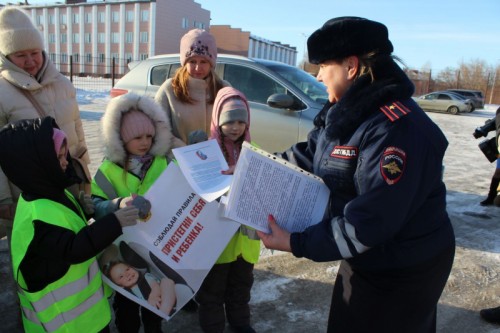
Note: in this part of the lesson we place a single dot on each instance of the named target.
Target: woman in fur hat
(136, 138)
(382, 158)
(188, 97)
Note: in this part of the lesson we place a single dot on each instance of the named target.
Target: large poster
(162, 261)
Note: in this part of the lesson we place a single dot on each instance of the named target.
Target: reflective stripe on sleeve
(351, 232)
(340, 240)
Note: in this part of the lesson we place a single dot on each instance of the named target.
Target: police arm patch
(392, 164)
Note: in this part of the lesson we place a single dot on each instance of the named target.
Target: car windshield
(303, 81)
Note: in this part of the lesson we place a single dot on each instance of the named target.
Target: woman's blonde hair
(181, 88)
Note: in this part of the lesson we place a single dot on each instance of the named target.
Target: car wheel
(472, 109)
(453, 109)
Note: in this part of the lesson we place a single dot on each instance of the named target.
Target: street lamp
(304, 35)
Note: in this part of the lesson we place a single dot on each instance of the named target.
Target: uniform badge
(345, 152)
(392, 164)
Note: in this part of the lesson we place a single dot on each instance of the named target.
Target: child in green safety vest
(137, 138)
(225, 292)
(53, 248)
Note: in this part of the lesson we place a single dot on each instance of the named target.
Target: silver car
(442, 101)
(283, 99)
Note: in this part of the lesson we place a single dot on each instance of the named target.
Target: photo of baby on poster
(161, 262)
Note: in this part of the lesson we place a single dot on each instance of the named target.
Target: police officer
(381, 157)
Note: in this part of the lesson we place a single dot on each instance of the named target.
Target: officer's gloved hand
(86, 203)
(127, 216)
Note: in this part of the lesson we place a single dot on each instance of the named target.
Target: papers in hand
(264, 184)
(201, 164)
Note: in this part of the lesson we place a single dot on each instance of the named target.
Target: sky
(426, 34)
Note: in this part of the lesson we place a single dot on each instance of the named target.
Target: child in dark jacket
(52, 244)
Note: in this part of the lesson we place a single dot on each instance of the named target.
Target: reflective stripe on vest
(74, 302)
(251, 233)
(111, 177)
(60, 294)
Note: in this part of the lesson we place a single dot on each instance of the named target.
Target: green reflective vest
(110, 182)
(245, 243)
(75, 302)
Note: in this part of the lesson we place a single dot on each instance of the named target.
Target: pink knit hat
(59, 138)
(135, 123)
(198, 42)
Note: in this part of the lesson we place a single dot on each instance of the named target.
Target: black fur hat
(341, 37)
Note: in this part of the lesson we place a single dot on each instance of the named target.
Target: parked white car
(283, 99)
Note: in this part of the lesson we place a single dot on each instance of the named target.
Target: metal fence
(91, 73)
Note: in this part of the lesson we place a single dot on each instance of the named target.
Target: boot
(491, 315)
(492, 193)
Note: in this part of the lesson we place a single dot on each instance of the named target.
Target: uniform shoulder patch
(395, 110)
(392, 164)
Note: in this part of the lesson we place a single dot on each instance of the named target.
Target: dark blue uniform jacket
(381, 157)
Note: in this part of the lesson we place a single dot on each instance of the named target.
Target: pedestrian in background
(493, 197)
(188, 97)
(54, 250)
(381, 157)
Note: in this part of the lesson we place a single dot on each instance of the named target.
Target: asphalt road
(293, 295)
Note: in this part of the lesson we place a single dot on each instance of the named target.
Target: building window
(52, 57)
(185, 23)
(129, 37)
(115, 16)
(76, 18)
(88, 38)
(62, 19)
(64, 58)
(144, 15)
(102, 59)
(128, 57)
(130, 16)
(88, 57)
(199, 25)
(101, 17)
(116, 56)
(51, 19)
(88, 17)
(39, 19)
(64, 38)
(52, 38)
(143, 37)
(144, 56)
(76, 57)
(76, 38)
(115, 37)
(101, 38)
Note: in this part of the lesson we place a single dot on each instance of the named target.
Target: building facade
(235, 41)
(93, 33)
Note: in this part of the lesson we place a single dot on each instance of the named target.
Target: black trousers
(403, 300)
(128, 319)
(225, 292)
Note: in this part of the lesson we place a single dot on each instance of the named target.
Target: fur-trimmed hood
(111, 123)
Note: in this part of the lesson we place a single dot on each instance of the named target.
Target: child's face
(124, 275)
(198, 67)
(233, 129)
(139, 145)
(61, 156)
